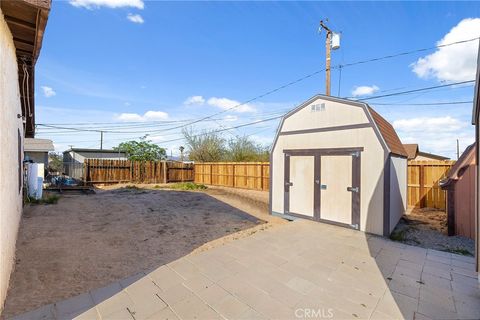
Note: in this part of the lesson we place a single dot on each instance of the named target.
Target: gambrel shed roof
(388, 133)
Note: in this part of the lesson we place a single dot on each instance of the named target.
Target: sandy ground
(88, 241)
(428, 228)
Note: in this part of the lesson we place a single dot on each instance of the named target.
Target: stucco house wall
(11, 156)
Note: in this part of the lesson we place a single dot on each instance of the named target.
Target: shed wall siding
(371, 165)
(398, 189)
(10, 166)
(38, 157)
(335, 114)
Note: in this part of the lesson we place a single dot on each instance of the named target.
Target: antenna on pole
(332, 42)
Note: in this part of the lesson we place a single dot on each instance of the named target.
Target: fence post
(422, 186)
(234, 167)
(165, 172)
(85, 173)
(211, 179)
(261, 176)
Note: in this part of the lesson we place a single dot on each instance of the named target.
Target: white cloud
(456, 62)
(147, 116)
(195, 100)
(135, 18)
(48, 91)
(435, 134)
(92, 4)
(364, 90)
(429, 124)
(225, 103)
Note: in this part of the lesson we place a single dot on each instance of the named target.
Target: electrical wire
(302, 79)
(415, 90)
(422, 104)
(225, 129)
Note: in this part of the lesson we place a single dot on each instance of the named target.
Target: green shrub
(398, 235)
(187, 186)
(46, 199)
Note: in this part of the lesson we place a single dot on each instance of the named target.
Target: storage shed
(74, 158)
(460, 186)
(338, 161)
(37, 150)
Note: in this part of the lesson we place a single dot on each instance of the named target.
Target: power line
(297, 81)
(225, 129)
(313, 74)
(416, 90)
(423, 104)
(406, 53)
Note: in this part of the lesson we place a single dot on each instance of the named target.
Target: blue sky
(133, 65)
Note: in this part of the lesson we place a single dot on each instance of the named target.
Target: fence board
(423, 183)
(245, 175)
(117, 171)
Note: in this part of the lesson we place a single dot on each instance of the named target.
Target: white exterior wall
(372, 158)
(10, 195)
(398, 189)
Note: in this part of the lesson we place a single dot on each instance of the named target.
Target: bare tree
(204, 147)
(244, 149)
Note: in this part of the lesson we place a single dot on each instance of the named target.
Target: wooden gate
(423, 183)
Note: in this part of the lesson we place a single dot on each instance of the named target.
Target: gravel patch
(427, 228)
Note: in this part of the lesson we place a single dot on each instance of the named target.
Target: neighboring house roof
(431, 155)
(38, 145)
(466, 159)
(27, 20)
(411, 149)
(83, 150)
(413, 152)
(389, 134)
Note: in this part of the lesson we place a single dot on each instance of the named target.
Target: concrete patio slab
(301, 270)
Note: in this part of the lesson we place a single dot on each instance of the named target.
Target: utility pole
(328, 48)
(327, 56)
(181, 152)
(101, 140)
(458, 150)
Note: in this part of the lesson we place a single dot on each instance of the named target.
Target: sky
(133, 68)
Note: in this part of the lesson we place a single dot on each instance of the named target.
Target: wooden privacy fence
(118, 171)
(423, 183)
(423, 176)
(247, 175)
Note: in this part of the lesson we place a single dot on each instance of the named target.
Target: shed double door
(323, 187)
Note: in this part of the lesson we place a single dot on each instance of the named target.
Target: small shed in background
(460, 186)
(74, 158)
(338, 161)
(36, 150)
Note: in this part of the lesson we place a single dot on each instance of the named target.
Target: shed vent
(318, 107)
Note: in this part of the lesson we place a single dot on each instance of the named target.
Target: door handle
(352, 189)
(289, 184)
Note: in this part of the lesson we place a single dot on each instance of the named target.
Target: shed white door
(301, 190)
(335, 197)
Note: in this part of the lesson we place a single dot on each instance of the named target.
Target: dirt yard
(88, 241)
(428, 228)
